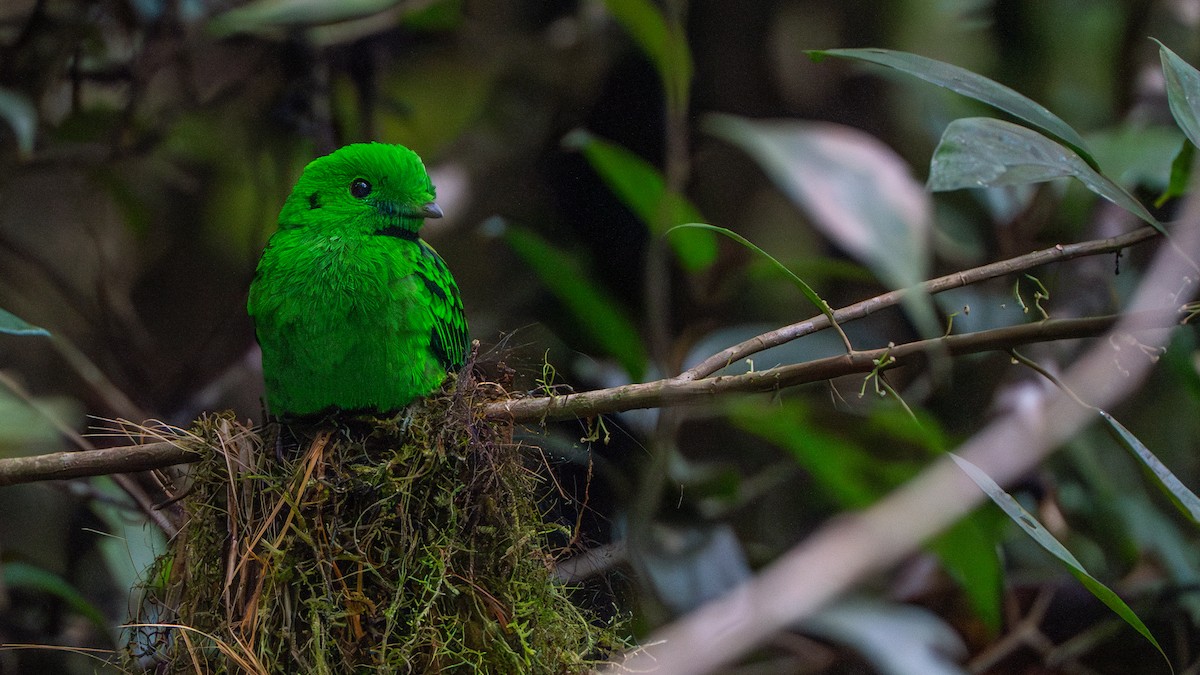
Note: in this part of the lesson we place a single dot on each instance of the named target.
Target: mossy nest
(367, 545)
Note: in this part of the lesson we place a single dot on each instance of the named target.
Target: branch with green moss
(698, 384)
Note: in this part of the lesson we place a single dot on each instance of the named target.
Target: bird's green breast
(343, 323)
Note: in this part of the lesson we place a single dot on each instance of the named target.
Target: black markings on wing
(434, 289)
(448, 337)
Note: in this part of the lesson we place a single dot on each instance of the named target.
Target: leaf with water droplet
(985, 152)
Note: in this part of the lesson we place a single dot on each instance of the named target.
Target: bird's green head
(362, 189)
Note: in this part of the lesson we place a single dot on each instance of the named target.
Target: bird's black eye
(360, 188)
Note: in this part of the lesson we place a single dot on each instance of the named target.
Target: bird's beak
(430, 210)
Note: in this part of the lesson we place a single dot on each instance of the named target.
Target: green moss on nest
(388, 546)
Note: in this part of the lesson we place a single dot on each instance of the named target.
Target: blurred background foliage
(146, 145)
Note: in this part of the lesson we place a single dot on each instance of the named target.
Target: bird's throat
(398, 231)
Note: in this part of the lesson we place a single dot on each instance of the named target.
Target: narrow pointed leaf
(15, 325)
(1183, 498)
(27, 577)
(665, 46)
(1054, 547)
(799, 283)
(1183, 92)
(970, 84)
(642, 188)
(596, 312)
(983, 152)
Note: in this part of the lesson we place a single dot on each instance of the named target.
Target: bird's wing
(448, 338)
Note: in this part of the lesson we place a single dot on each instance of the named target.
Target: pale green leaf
(261, 15)
(859, 193)
(15, 325)
(856, 191)
(1184, 499)
(1183, 92)
(21, 116)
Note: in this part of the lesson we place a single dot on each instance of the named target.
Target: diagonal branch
(858, 310)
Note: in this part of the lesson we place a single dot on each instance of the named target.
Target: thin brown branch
(678, 391)
(859, 310)
(126, 483)
(63, 465)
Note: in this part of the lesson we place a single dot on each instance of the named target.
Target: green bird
(353, 310)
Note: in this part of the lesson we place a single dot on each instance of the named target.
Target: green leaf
(22, 575)
(663, 43)
(1183, 92)
(843, 470)
(1042, 536)
(15, 325)
(1181, 173)
(984, 152)
(22, 119)
(439, 16)
(26, 426)
(1183, 498)
(597, 312)
(972, 85)
(641, 187)
(970, 556)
